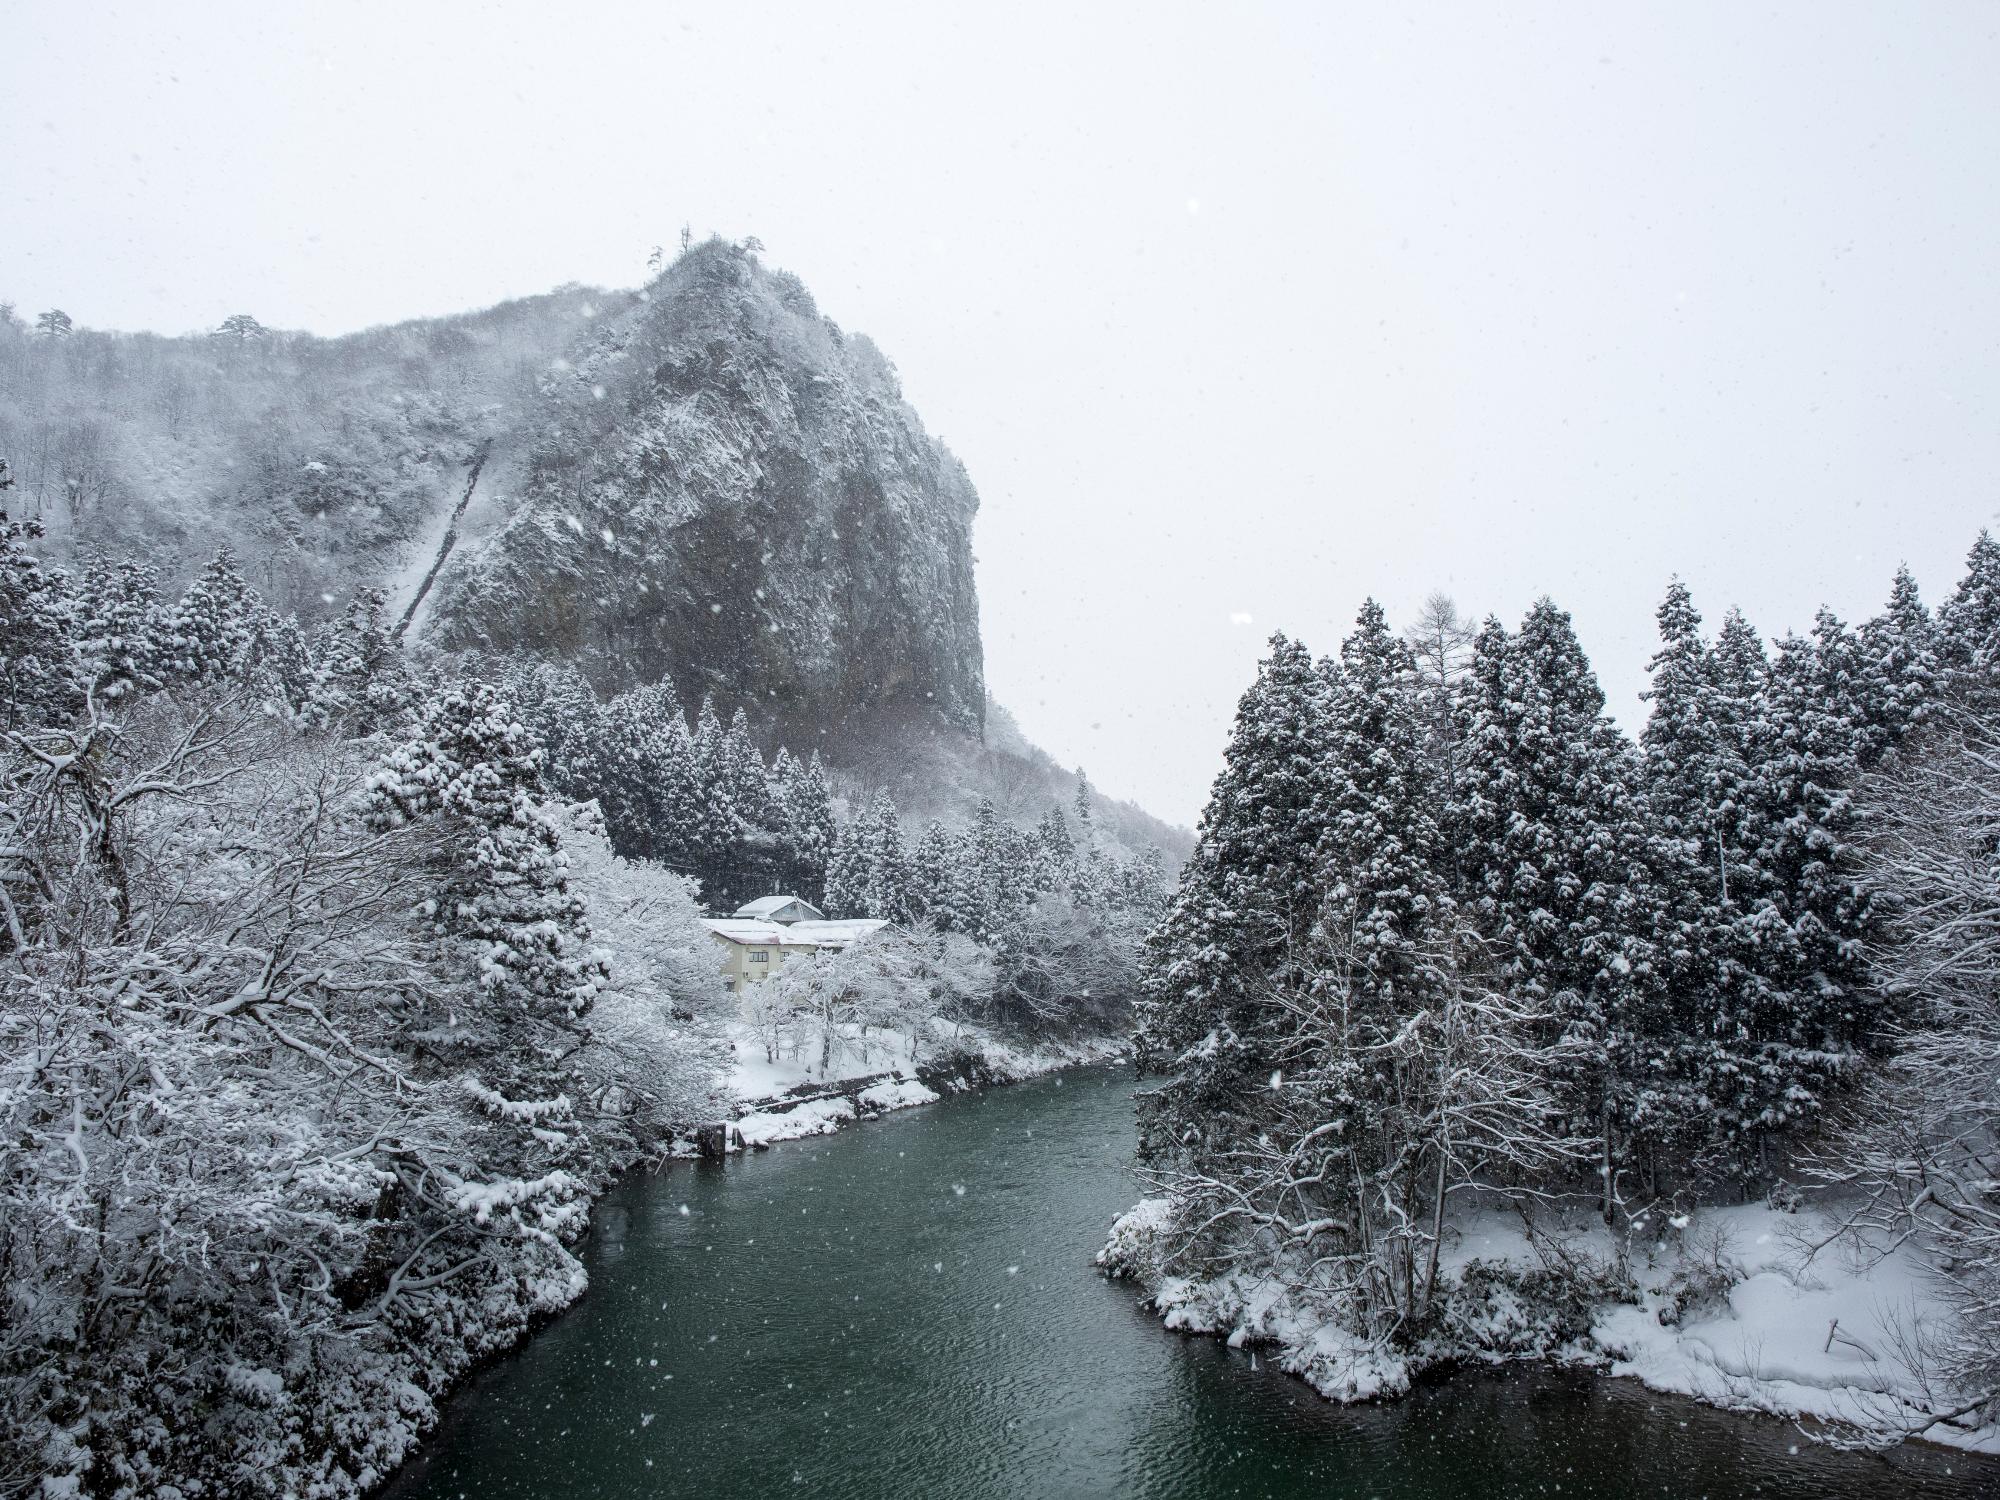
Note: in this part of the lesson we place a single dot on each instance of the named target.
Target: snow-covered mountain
(704, 478)
(721, 485)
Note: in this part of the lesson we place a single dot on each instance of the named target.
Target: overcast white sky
(1235, 314)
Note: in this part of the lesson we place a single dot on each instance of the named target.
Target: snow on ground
(898, 1093)
(814, 1117)
(1821, 1336)
(761, 1084)
(755, 1078)
(1735, 1309)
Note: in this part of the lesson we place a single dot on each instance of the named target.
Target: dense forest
(1450, 936)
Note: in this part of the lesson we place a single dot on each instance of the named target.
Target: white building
(759, 938)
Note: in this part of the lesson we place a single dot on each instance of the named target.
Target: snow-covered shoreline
(1731, 1307)
(782, 1100)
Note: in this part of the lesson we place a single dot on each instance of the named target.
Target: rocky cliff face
(723, 486)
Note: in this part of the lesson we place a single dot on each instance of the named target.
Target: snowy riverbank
(1732, 1306)
(789, 1098)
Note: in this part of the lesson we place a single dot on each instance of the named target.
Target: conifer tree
(646, 790)
(1682, 739)
(809, 822)
(1057, 846)
(888, 888)
(503, 885)
(1246, 904)
(42, 680)
(1815, 922)
(278, 666)
(941, 890)
(1694, 786)
(566, 719)
(210, 629)
(1552, 847)
(744, 773)
(721, 824)
(119, 625)
(1901, 659)
(1377, 852)
(847, 874)
(363, 682)
(684, 825)
(1969, 622)
(780, 785)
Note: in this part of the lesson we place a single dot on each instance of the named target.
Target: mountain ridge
(703, 478)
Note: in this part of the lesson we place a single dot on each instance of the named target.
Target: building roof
(820, 934)
(766, 908)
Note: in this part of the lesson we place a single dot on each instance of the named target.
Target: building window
(760, 956)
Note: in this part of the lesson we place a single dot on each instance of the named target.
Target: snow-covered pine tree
(887, 861)
(1550, 841)
(1003, 865)
(646, 789)
(1090, 874)
(363, 682)
(1682, 741)
(42, 680)
(1725, 883)
(568, 722)
(743, 770)
(119, 626)
(1239, 922)
(780, 785)
(503, 910)
(937, 880)
(1696, 790)
(1334, 1163)
(720, 824)
(1814, 925)
(503, 890)
(1058, 849)
(278, 666)
(1441, 642)
(809, 825)
(1901, 659)
(210, 629)
(847, 873)
(1379, 835)
(1969, 622)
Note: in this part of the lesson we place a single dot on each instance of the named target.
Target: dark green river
(908, 1309)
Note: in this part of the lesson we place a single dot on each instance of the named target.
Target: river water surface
(908, 1309)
